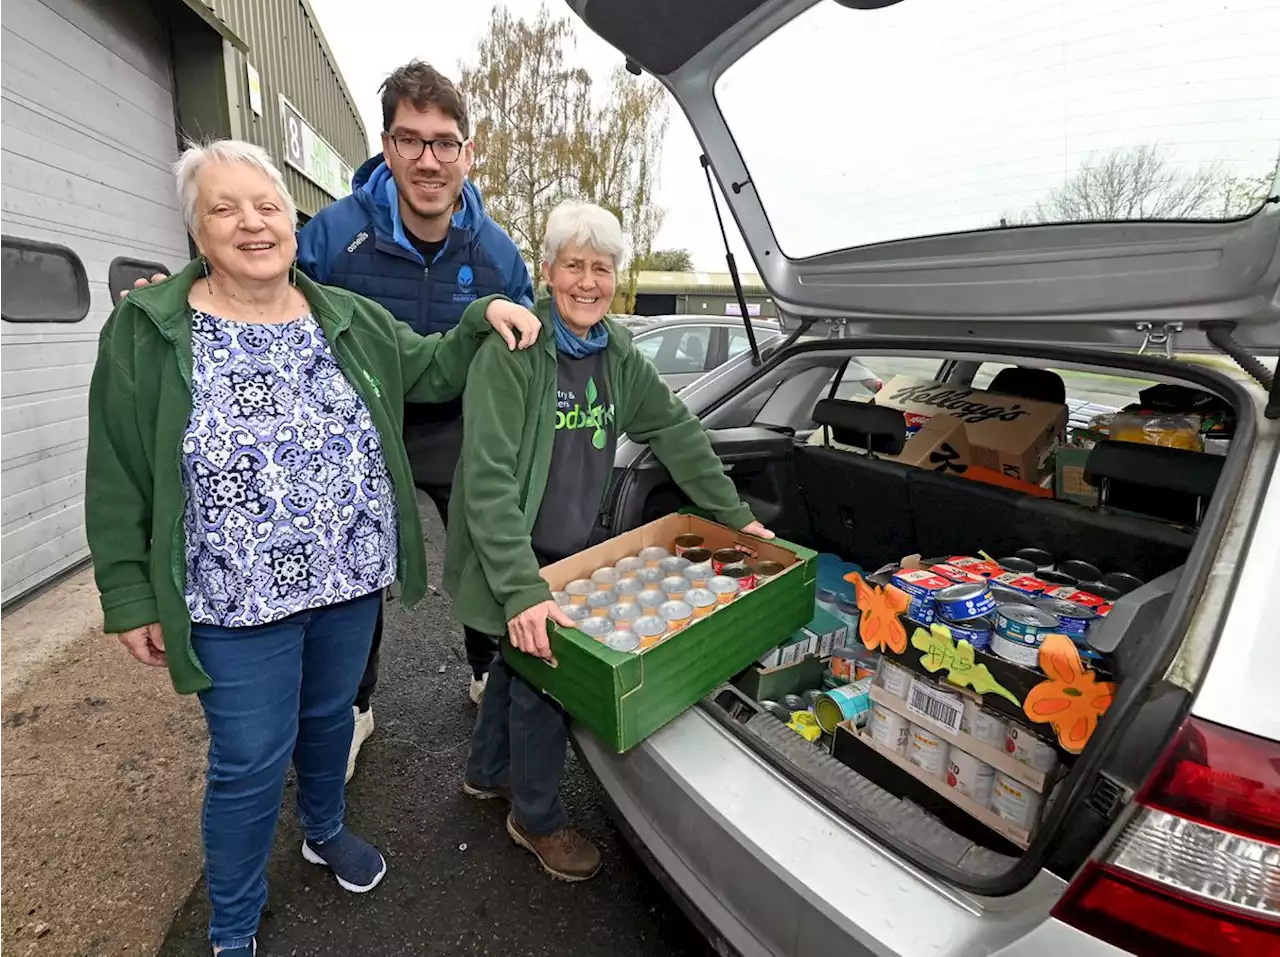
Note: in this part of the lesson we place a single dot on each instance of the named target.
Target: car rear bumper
(772, 872)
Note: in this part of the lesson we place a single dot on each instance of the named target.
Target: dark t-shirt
(433, 433)
(581, 459)
(429, 250)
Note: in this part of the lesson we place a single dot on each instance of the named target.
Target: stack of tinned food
(1008, 606)
(643, 599)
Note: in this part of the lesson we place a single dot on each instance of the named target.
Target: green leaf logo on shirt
(599, 438)
(595, 417)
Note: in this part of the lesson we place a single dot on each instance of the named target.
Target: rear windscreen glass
(939, 116)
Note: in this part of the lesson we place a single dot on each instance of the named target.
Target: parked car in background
(684, 348)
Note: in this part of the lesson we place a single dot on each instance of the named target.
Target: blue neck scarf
(570, 345)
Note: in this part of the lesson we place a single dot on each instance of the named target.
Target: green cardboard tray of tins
(626, 695)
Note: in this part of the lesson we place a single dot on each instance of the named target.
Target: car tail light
(1197, 869)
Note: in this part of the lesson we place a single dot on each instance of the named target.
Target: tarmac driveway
(456, 884)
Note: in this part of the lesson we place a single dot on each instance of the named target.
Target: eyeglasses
(412, 148)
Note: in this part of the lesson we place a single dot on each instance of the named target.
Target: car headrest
(862, 425)
(1173, 484)
(1041, 385)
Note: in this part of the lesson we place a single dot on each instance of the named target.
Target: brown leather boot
(564, 854)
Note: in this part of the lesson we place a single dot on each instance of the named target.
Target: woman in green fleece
(537, 453)
(248, 497)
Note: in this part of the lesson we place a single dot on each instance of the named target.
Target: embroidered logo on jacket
(466, 291)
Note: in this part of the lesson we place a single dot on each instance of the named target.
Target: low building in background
(99, 97)
(700, 294)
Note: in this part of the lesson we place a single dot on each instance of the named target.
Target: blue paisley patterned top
(289, 504)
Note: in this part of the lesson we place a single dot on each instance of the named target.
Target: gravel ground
(102, 776)
(456, 884)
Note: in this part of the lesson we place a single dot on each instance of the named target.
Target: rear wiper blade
(733, 266)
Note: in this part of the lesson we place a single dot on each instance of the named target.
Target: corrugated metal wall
(290, 54)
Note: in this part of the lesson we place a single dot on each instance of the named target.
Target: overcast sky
(372, 37)
(929, 116)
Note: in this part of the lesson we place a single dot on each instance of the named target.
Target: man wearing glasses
(414, 236)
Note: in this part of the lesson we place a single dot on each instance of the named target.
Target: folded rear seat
(858, 505)
(874, 511)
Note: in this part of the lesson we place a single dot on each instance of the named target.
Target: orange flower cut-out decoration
(1070, 699)
(879, 627)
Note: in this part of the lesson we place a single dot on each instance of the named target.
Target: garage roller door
(88, 137)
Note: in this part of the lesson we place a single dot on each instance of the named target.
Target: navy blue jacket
(359, 244)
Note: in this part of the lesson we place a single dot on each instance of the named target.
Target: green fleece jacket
(509, 409)
(139, 406)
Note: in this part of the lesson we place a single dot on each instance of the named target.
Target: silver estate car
(904, 175)
(685, 348)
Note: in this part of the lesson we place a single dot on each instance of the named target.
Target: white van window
(943, 116)
(42, 282)
(123, 272)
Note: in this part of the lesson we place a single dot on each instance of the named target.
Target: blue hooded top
(359, 244)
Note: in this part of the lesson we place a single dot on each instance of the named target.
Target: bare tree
(666, 260)
(542, 136)
(1141, 183)
(527, 105)
(1242, 195)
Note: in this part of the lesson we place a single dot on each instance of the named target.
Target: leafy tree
(1141, 183)
(666, 260)
(543, 135)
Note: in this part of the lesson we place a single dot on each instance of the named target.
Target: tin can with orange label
(674, 565)
(725, 588)
(605, 577)
(650, 629)
(674, 587)
(649, 599)
(702, 600)
(596, 628)
(601, 601)
(653, 555)
(623, 616)
(698, 574)
(628, 589)
(579, 589)
(627, 567)
(676, 614)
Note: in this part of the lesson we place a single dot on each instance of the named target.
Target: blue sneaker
(354, 861)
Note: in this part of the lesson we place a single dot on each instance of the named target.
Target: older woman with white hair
(248, 497)
(537, 453)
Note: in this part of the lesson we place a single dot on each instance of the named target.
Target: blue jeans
(280, 691)
(519, 740)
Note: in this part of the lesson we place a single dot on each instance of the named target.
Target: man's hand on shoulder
(142, 284)
(512, 322)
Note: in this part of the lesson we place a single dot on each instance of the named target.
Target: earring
(207, 276)
(293, 272)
